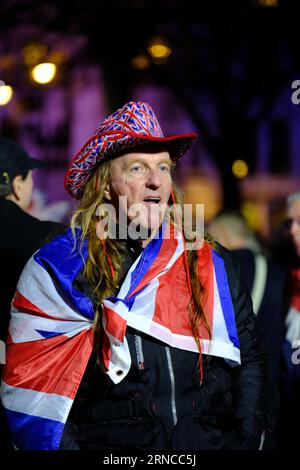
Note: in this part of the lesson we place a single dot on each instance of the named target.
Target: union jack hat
(128, 127)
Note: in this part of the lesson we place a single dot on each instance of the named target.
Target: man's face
(145, 180)
(294, 216)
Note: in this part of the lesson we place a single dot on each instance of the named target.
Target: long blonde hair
(104, 277)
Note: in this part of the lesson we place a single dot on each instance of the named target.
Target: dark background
(229, 77)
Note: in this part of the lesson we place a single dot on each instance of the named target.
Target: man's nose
(153, 179)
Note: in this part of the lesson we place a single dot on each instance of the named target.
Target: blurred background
(227, 70)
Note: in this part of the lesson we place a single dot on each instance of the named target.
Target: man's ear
(107, 193)
(17, 186)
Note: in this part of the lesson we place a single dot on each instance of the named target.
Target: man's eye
(287, 224)
(136, 169)
(164, 168)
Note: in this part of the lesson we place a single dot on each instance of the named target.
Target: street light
(6, 93)
(44, 73)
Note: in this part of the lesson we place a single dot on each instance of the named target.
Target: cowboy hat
(133, 125)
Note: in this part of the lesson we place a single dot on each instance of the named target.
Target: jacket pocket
(117, 434)
(192, 434)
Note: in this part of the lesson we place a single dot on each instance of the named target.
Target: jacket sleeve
(256, 399)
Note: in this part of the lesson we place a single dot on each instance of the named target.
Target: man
(123, 337)
(20, 235)
(292, 224)
(293, 219)
(291, 379)
(264, 279)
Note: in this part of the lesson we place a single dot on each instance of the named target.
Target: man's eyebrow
(146, 162)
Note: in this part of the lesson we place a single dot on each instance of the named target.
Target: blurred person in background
(20, 234)
(133, 341)
(264, 279)
(291, 349)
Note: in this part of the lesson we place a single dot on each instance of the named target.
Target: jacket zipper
(172, 379)
(262, 440)
(139, 350)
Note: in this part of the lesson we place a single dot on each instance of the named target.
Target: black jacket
(163, 405)
(20, 236)
(270, 315)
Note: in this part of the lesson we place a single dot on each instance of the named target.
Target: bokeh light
(44, 73)
(240, 169)
(33, 53)
(159, 49)
(6, 94)
(141, 62)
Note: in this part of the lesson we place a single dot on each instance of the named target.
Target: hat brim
(35, 163)
(177, 146)
(88, 158)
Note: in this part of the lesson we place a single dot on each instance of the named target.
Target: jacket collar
(10, 208)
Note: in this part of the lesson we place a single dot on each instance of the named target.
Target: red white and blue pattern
(127, 127)
(51, 336)
(292, 321)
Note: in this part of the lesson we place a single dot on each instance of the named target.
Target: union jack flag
(51, 330)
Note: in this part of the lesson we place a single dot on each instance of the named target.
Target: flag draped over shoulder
(154, 299)
(49, 344)
(51, 337)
